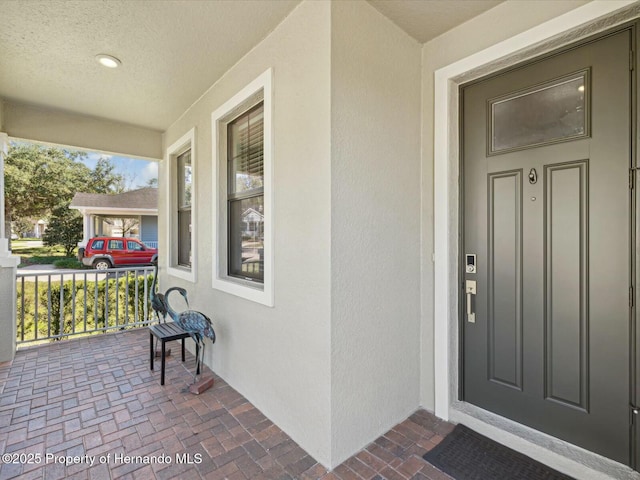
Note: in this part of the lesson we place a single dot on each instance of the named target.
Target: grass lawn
(32, 252)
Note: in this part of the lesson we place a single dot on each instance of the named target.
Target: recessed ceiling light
(108, 61)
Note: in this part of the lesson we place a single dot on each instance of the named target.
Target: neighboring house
(132, 214)
(253, 222)
(433, 234)
(39, 228)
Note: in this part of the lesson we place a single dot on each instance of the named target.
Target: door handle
(470, 289)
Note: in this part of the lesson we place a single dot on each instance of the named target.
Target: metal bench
(166, 332)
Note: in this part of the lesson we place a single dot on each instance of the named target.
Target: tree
(65, 228)
(103, 178)
(124, 183)
(129, 225)
(23, 226)
(39, 179)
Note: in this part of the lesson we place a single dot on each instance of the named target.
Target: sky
(136, 172)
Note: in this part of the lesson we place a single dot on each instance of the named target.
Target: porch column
(92, 225)
(87, 227)
(8, 270)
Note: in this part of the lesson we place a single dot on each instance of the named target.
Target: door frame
(581, 23)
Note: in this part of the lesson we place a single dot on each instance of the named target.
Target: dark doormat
(467, 455)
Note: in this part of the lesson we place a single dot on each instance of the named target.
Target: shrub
(97, 298)
(68, 263)
(65, 228)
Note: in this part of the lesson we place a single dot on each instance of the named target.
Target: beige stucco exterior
(375, 229)
(280, 357)
(570, 23)
(346, 176)
(58, 127)
(347, 350)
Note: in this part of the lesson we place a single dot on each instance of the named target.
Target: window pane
(133, 246)
(184, 238)
(246, 151)
(246, 238)
(549, 113)
(183, 209)
(116, 244)
(184, 180)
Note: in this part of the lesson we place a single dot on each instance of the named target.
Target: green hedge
(100, 302)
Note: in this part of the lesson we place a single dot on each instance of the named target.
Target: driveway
(39, 271)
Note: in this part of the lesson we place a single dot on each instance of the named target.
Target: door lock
(470, 290)
(470, 262)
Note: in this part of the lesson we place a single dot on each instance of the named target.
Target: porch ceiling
(425, 20)
(171, 51)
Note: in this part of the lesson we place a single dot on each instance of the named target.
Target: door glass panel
(552, 112)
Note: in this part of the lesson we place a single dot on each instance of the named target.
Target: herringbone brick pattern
(96, 398)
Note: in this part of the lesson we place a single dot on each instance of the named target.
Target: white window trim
(186, 142)
(264, 293)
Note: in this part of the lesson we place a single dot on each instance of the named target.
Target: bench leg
(162, 362)
(152, 353)
(197, 359)
(183, 349)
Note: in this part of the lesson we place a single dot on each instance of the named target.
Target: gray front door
(546, 208)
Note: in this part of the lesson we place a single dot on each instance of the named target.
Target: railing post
(8, 270)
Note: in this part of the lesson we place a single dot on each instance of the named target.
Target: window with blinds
(245, 195)
(183, 207)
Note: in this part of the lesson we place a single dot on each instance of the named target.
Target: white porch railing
(53, 306)
(151, 244)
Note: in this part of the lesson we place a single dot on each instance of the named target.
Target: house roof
(253, 212)
(141, 199)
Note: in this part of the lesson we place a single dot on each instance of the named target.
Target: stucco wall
(347, 351)
(375, 225)
(502, 22)
(279, 357)
(82, 131)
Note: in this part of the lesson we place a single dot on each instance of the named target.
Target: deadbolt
(470, 262)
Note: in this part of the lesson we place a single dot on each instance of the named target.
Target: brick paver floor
(96, 398)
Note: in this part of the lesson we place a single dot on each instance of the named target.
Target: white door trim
(446, 194)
